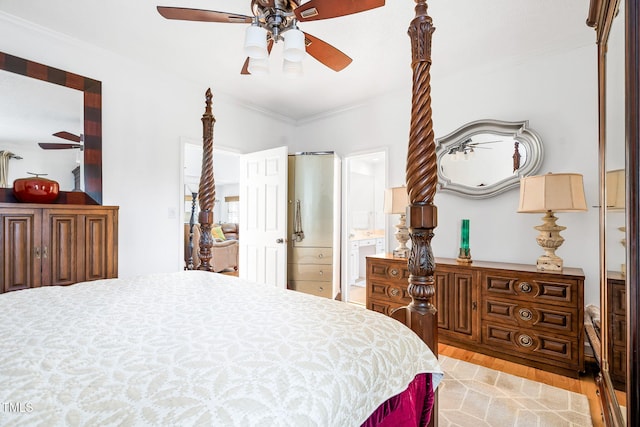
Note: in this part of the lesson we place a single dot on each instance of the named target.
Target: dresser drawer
(382, 306)
(528, 287)
(393, 292)
(315, 272)
(367, 242)
(312, 255)
(555, 319)
(394, 272)
(530, 344)
(321, 289)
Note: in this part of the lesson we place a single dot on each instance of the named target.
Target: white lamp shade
(255, 42)
(396, 200)
(557, 192)
(292, 69)
(294, 46)
(616, 192)
(258, 67)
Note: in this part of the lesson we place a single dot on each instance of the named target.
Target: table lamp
(396, 201)
(557, 192)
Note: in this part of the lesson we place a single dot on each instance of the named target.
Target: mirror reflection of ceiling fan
(467, 147)
(277, 20)
(77, 142)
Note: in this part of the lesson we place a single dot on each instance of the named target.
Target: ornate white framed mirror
(487, 157)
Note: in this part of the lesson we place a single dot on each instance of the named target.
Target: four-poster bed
(421, 177)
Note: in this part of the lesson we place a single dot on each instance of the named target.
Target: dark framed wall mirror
(89, 152)
(617, 346)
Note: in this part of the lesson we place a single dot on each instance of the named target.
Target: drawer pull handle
(321, 272)
(525, 314)
(525, 340)
(394, 292)
(525, 287)
(394, 272)
(320, 255)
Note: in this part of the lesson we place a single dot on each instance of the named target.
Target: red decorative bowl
(35, 190)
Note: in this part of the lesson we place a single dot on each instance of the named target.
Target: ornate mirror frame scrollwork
(528, 140)
(92, 93)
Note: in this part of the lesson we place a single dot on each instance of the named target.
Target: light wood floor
(583, 385)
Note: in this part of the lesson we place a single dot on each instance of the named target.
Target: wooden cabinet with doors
(456, 295)
(617, 327)
(45, 245)
(457, 303)
(509, 311)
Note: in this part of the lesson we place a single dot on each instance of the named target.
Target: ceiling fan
(276, 20)
(77, 142)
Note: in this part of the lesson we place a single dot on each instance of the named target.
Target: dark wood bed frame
(421, 175)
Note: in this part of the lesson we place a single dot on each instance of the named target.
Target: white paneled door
(263, 217)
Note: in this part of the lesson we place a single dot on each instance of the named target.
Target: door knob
(280, 240)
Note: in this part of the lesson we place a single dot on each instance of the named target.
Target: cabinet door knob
(44, 252)
(36, 252)
(525, 287)
(394, 292)
(394, 272)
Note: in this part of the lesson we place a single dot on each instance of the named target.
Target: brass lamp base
(464, 256)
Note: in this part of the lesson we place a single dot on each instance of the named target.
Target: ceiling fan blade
(185, 14)
(58, 146)
(68, 135)
(325, 53)
(325, 9)
(245, 67)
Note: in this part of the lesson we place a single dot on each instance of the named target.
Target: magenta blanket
(412, 407)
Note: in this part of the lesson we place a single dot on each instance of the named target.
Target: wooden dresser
(509, 311)
(53, 244)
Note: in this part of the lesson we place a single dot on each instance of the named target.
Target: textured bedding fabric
(197, 348)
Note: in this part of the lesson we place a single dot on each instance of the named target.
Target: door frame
(184, 141)
(347, 162)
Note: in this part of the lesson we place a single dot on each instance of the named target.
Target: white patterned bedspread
(197, 348)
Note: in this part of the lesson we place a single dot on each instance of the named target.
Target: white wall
(556, 93)
(145, 113)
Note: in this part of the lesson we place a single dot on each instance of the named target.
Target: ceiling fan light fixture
(292, 69)
(294, 45)
(258, 67)
(255, 42)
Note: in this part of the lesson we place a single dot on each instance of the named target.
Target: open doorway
(226, 206)
(364, 182)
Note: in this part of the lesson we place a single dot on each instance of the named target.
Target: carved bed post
(421, 315)
(207, 187)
